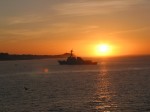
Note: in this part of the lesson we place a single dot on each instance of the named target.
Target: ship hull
(63, 62)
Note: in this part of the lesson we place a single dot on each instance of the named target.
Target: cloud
(131, 30)
(94, 7)
(26, 19)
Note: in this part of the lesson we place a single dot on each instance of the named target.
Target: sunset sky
(57, 26)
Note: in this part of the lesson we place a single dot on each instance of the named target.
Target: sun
(103, 49)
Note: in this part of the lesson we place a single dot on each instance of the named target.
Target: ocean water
(114, 85)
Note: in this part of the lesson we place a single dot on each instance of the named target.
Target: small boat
(72, 60)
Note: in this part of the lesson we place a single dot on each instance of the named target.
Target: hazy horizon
(109, 56)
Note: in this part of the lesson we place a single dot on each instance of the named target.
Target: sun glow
(103, 50)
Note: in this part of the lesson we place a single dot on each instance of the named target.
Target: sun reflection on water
(103, 99)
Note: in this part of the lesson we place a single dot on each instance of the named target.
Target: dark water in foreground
(115, 85)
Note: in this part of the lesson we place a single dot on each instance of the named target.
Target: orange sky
(56, 27)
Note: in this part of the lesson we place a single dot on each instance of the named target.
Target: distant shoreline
(11, 57)
(15, 57)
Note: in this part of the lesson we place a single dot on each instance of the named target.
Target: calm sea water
(115, 85)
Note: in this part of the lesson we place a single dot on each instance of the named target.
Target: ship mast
(71, 53)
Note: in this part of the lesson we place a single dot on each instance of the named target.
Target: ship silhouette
(72, 60)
